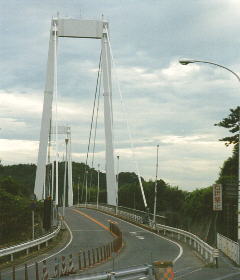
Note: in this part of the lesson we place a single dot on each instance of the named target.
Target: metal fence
(66, 265)
(208, 253)
(229, 247)
(136, 272)
(27, 245)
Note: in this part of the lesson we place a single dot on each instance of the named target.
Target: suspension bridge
(90, 241)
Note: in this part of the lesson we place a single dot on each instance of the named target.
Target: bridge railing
(29, 244)
(137, 272)
(208, 253)
(229, 247)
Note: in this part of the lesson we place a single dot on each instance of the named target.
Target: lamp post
(78, 189)
(117, 183)
(188, 61)
(98, 186)
(86, 186)
(155, 190)
(65, 178)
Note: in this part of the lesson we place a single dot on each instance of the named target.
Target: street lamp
(188, 61)
(78, 189)
(155, 190)
(65, 178)
(86, 186)
(117, 183)
(98, 186)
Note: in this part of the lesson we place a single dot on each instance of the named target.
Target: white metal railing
(136, 272)
(229, 247)
(207, 252)
(27, 245)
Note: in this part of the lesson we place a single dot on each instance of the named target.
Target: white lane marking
(70, 241)
(139, 237)
(185, 268)
(161, 237)
(191, 272)
(133, 232)
(86, 230)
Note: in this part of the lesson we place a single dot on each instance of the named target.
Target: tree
(232, 124)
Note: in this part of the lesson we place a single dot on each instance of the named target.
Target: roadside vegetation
(191, 211)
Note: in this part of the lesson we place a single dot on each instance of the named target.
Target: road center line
(148, 231)
(91, 219)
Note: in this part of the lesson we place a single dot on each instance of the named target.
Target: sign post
(217, 206)
(217, 197)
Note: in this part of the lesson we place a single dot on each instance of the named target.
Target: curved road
(88, 230)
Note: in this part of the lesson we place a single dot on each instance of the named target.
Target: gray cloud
(169, 104)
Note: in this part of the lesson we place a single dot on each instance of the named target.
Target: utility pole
(117, 184)
(78, 188)
(86, 188)
(155, 191)
(98, 187)
(65, 179)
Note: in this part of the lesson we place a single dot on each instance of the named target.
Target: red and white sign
(217, 197)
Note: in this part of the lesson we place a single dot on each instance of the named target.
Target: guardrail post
(36, 271)
(98, 255)
(101, 250)
(71, 269)
(93, 257)
(13, 273)
(39, 246)
(64, 267)
(79, 261)
(27, 251)
(56, 268)
(107, 246)
(89, 258)
(105, 252)
(84, 259)
(112, 248)
(26, 271)
(45, 271)
(11, 257)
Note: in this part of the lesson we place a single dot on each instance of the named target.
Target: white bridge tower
(75, 28)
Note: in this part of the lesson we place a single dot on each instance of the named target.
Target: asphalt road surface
(88, 230)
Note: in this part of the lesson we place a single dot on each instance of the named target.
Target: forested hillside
(188, 210)
(16, 188)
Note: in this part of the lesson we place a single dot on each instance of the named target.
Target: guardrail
(27, 245)
(229, 247)
(208, 253)
(136, 272)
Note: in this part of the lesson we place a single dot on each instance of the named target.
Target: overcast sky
(168, 104)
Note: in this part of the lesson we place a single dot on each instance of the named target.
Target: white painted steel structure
(229, 247)
(76, 28)
(207, 252)
(65, 130)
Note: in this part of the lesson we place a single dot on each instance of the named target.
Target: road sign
(217, 197)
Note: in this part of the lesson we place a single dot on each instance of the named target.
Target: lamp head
(185, 61)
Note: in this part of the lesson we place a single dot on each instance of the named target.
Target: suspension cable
(95, 129)
(125, 113)
(92, 119)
